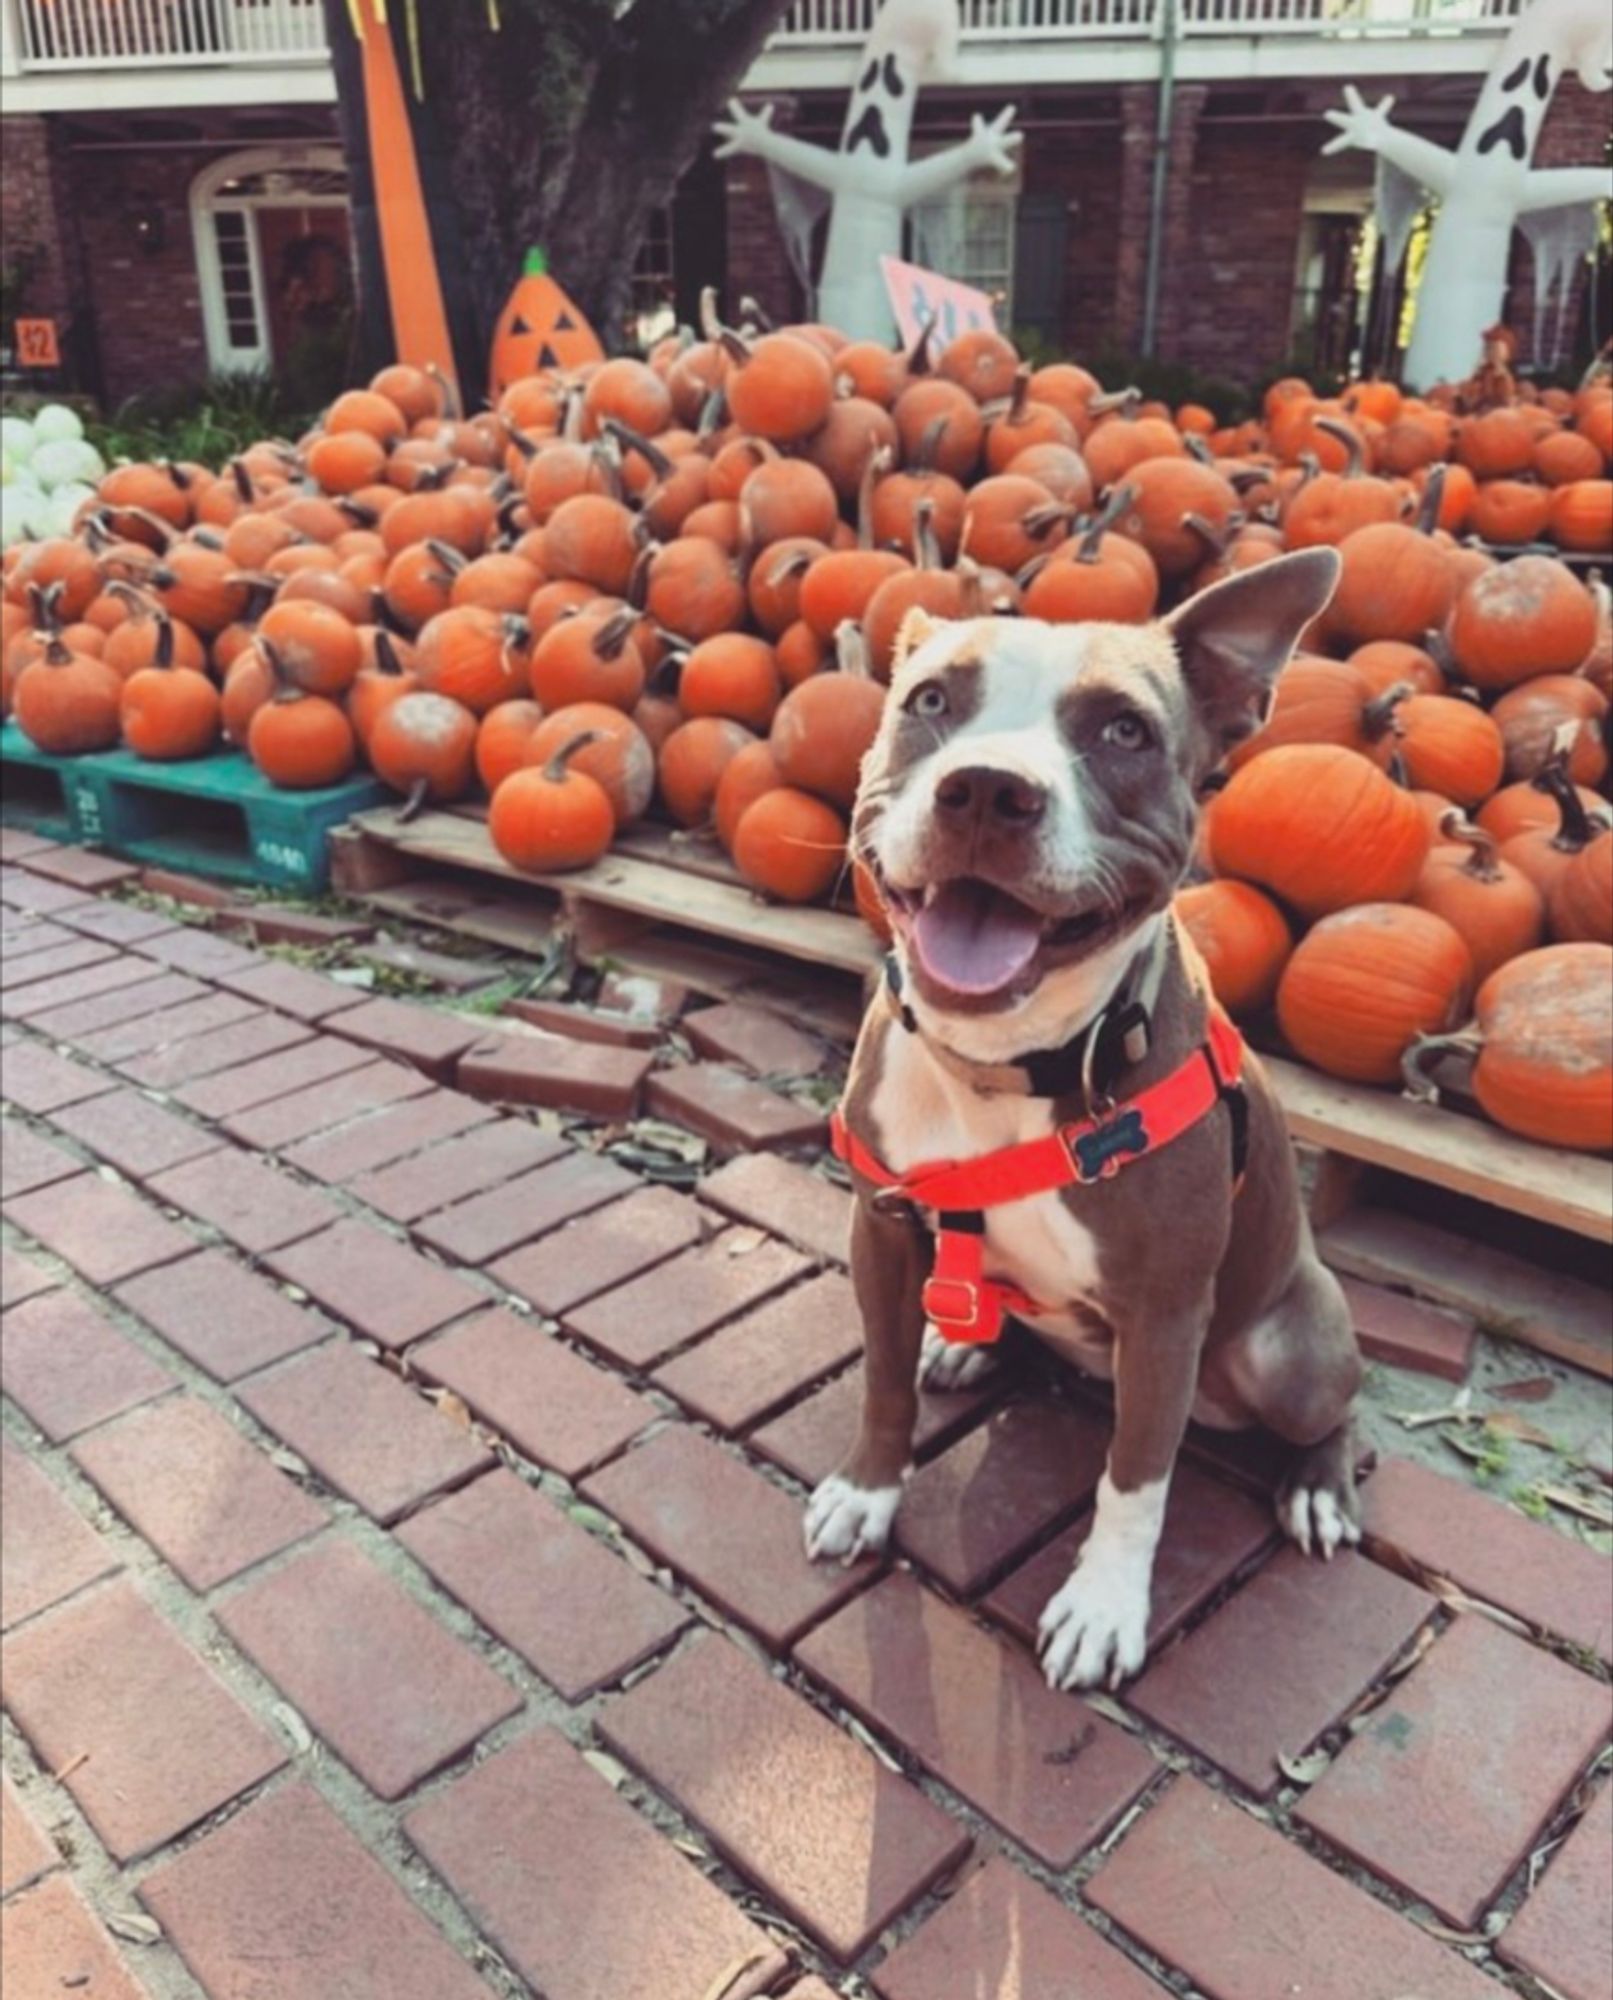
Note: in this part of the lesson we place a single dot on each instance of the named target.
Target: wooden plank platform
(214, 815)
(648, 879)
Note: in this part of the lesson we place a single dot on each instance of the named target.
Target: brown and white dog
(1027, 811)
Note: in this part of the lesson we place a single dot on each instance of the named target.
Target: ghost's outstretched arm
(1560, 187)
(1368, 126)
(743, 131)
(986, 146)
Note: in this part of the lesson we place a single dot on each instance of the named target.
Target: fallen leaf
(1530, 1389)
(294, 1726)
(1449, 1936)
(133, 1929)
(614, 1774)
(1303, 1770)
(1588, 1508)
(741, 1242)
(453, 1407)
(1111, 1711)
(1507, 1423)
(590, 1517)
(727, 1982)
(288, 1461)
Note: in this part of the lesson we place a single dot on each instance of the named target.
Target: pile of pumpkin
(675, 585)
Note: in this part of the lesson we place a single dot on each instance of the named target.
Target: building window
(652, 314)
(243, 324)
(968, 234)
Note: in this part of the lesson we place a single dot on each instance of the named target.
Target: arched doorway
(274, 260)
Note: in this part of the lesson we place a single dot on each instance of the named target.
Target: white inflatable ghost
(869, 183)
(1487, 184)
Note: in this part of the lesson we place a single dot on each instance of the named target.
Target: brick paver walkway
(404, 1598)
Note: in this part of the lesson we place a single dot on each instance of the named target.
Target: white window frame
(980, 191)
(208, 198)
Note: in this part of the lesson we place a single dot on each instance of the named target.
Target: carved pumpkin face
(539, 328)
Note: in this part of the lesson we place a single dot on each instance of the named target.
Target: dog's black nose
(979, 794)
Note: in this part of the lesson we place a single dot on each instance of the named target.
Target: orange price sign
(37, 345)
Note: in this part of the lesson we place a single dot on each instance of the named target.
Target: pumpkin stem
(163, 655)
(1345, 435)
(1119, 499)
(638, 581)
(207, 538)
(1378, 718)
(1246, 478)
(155, 522)
(631, 440)
(1456, 827)
(555, 769)
(1438, 649)
(244, 488)
(851, 650)
(359, 512)
(709, 317)
(755, 313)
(1217, 540)
(918, 355)
(285, 687)
(414, 801)
(796, 563)
(1574, 829)
(734, 345)
(1040, 522)
(968, 573)
(177, 474)
(386, 656)
(745, 553)
(877, 465)
(1019, 395)
(613, 635)
(56, 654)
(713, 414)
(1427, 1050)
(450, 558)
(44, 601)
(926, 548)
(928, 445)
(1433, 494)
(452, 408)
(523, 444)
(1124, 400)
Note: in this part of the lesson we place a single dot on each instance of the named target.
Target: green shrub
(207, 421)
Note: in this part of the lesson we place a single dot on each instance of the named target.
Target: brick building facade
(107, 205)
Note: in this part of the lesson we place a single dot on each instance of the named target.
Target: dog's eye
(1127, 731)
(928, 701)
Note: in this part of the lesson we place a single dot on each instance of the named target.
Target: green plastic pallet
(210, 816)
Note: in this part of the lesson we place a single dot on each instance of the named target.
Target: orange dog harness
(966, 1305)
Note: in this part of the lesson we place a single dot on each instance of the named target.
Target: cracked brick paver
(414, 1439)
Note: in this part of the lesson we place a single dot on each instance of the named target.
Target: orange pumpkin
(1364, 983)
(67, 703)
(1510, 511)
(1327, 701)
(1520, 619)
(540, 327)
(1581, 516)
(617, 755)
(168, 713)
(790, 844)
(1535, 717)
(502, 738)
(1243, 939)
(1320, 827)
(822, 732)
(1580, 900)
(745, 777)
(1543, 1028)
(1450, 746)
(548, 817)
(734, 675)
(424, 746)
(475, 657)
(301, 741)
(1494, 907)
(692, 761)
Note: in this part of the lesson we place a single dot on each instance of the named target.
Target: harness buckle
(963, 1312)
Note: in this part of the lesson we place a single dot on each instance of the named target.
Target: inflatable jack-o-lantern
(539, 328)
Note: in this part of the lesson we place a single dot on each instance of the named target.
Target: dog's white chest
(922, 1112)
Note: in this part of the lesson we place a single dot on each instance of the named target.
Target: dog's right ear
(917, 625)
(1236, 637)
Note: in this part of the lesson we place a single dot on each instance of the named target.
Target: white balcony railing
(828, 23)
(55, 35)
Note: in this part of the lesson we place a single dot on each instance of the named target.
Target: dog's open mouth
(972, 941)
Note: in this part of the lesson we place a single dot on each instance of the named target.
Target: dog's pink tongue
(974, 939)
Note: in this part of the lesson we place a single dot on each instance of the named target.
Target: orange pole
(414, 290)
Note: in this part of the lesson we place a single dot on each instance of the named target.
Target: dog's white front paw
(849, 1521)
(1312, 1517)
(1094, 1631)
(951, 1365)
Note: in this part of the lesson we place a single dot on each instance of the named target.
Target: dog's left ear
(1236, 637)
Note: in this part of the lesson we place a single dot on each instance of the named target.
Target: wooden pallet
(213, 815)
(651, 880)
(1423, 1197)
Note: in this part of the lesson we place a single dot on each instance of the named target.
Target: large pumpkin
(1319, 826)
(539, 327)
(1242, 937)
(1364, 984)
(1544, 1031)
(1521, 619)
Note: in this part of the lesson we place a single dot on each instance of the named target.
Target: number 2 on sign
(37, 345)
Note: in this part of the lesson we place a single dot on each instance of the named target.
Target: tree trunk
(567, 127)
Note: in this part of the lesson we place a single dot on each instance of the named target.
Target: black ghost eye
(1127, 732)
(928, 701)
